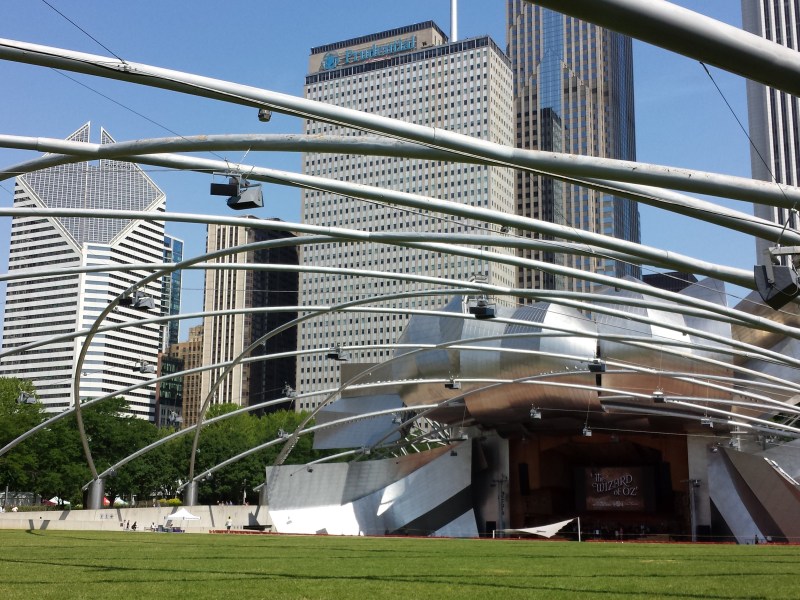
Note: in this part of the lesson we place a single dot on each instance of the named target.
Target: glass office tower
(573, 93)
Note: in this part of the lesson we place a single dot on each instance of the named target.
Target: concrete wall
(113, 519)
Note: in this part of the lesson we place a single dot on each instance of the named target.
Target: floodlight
(777, 284)
(144, 367)
(597, 366)
(452, 384)
(264, 115)
(335, 352)
(535, 413)
(705, 421)
(137, 299)
(225, 189)
(586, 431)
(26, 398)
(658, 396)
(249, 197)
(482, 309)
(241, 194)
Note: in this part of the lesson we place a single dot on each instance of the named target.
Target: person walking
(228, 523)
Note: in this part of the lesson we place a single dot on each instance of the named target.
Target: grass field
(118, 565)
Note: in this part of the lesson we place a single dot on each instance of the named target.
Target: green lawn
(119, 565)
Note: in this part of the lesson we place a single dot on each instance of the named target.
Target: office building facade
(412, 74)
(774, 116)
(190, 354)
(38, 308)
(226, 336)
(573, 93)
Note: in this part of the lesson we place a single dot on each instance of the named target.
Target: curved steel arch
(142, 282)
(323, 310)
(698, 26)
(159, 273)
(141, 151)
(758, 322)
(385, 196)
(460, 346)
(292, 441)
(661, 258)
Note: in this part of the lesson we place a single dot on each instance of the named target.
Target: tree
(15, 419)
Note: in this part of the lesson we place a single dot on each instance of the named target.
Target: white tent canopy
(547, 531)
(181, 514)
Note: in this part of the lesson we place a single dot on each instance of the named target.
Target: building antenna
(453, 20)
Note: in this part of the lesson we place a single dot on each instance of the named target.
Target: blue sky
(681, 119)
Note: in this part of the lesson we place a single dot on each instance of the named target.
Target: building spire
(453, 20)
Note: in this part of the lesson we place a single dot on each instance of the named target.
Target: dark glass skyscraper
(573, 92)
(171, 289)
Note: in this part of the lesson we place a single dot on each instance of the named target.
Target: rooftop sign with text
(334, 60)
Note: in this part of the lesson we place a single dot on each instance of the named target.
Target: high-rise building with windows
(774, 116)
(573, 92)
(171, 289)
(169, 393)
(226, 336)
(38, 308)
(412, 74)
(190, 355)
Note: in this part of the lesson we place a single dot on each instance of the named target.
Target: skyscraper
(190, 354)
(573, 92)
(226, 336)
(413, 74)
(171, 289)
(40, 307)
(774, 116)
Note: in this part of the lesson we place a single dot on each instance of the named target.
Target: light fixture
(138, 299)
(586, 431)
(145, 367)
(707, 422)
(335, 352)
(264, 115)
(365, 450)
(289, 392)
(26, 398)
(241, 193)
(658, 396)
(777, 284)
(597, 366)
(282, 435)
(482, 309)
(396, 420)
(310, 469)
(452, 384)
(535, 413)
